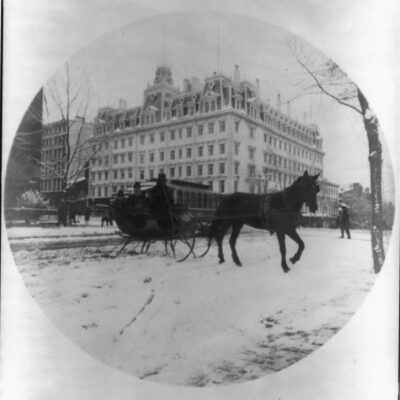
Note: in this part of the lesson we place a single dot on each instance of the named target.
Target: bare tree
(321, 76)
(68, 100)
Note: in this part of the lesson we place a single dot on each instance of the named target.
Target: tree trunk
(375, 163)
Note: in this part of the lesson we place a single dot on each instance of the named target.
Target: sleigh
(140, 228)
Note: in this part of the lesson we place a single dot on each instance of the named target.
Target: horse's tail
(212, 231)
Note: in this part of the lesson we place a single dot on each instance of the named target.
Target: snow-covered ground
(194, 323)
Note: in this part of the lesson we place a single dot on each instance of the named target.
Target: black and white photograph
(199, 200)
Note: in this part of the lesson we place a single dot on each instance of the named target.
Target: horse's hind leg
(282, 248)
(219, 236)
(232, 242)
(295, 236)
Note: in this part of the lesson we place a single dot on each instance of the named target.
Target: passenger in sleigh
(138, 206)
(161, 203)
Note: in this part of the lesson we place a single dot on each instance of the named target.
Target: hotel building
(217, 132)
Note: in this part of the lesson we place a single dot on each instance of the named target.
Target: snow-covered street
(194, 323)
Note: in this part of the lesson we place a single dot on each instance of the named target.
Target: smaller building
(65, 155)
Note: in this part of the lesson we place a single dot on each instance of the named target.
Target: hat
(136, 185)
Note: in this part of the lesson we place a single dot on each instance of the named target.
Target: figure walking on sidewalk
(344, 220)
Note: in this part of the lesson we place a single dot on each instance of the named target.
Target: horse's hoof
(221, 261)
(293, 260)
(286, 270)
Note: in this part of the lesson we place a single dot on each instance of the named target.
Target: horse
(278, 212)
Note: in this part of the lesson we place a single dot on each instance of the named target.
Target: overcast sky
(120, 65)
(124, 61)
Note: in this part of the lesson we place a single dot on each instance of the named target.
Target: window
(199, 170)
(180, 153)
(130, 173)
(161, 156)
(99, 175)
(141, 174)
(210, 149)
(251, 153)
(122, 158)
(151, 137)
(188, 170)
(210, 169)
(151, 173)
(221, 186)
(115, 144)
(172, 172)
(236, 186)
(251, 132)
(122, 143)
(236, 168)
(93, 176)
(189, 131)
(106, 175)
(252, 170)
(180, 133)
(130, 157)
(141, 158)
(162, 136)
(130, 141)
(172, 134)
(115, 174)
(106, 191)
(151, 157)
(122, 174)
(222, 148)
(189, 152)
(211, 127)
(265, 138)
(115, 158)
(222, 126)
(105, 160)
(222, 168)
(99, 191)
(200, 130)
(179, 171)
(237, 149)
(172, 155)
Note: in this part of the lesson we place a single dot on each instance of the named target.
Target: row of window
(54, 141)
(174, 134)
(175, 154)
(51, 185)
(173, 172)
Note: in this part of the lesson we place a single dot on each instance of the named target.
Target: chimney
(122, 104)
(258, 89)
(288, 108)
(196, 83)
(187, 85)
(278, 102)
(236, 75)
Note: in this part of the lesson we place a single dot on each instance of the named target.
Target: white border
(360, 362)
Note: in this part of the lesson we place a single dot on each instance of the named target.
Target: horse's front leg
(232, 242)
(282, 248)
(295, 236)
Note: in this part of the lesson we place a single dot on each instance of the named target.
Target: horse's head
(309, 188)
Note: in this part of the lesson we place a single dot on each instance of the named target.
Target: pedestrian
(344, 220)
(62, 213)
(87, 214)
(72, 212)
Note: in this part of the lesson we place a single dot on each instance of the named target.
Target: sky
(121, 63)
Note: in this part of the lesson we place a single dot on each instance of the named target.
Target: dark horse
(276, 212)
